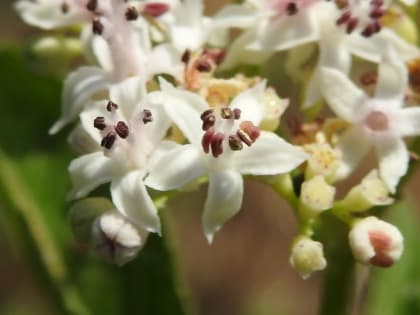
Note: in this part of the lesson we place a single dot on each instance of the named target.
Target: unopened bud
(375, 242)
(274, 108)
(372, 191)
(117, 239)
(316, 196)
(307, 256)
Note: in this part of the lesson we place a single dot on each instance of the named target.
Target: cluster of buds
(160, 110)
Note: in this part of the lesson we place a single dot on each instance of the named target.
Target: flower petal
(251, 103)
(177, 168)
(183, 107)
(223, 201)
(269, 155)
(342, 95)
(165, 59)
(234, 15)
(353, 145)
(392, 77)
(89, 171)
(393, 161)
(407, 121)
(132, 200)
(79, 87)
(128, 94)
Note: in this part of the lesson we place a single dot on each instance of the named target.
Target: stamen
(206, 113)
(217, 144)
(64, 7)
(122, 129)
(206, 140)
(111, 106)
(147, 116)
(344, 18)
(203, 65)
(97, 27)
(209, 122)
(245, 138)
(352, 24)
(369, 78)
(108, 141)
(377, 13)
(131, 14)
(186, 56)
(252, 130)
(235, 143)
(92, 5)
(226, 113)
(155, 9)
(292, 8)
(236, 113)
(99, 123)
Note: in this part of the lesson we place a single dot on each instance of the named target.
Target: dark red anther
(369, 78)
(147, 116)
(122, 130)
(343, 18)
(208, 122)
(186, 56)
(155, 9)
(235, 143)
(226, 113)
(217, 55)
(97, 27)
(217, 144)
(111, 106)
(368, 31)
(99, 123)
(64, 7)
(377, 27)
(352, 24)
(206, 140)
(206, 113)
(292, 8)
(203, 65)
(108, 141)
(92, 5)
(131, 14)
(377, 3)
(236, 113)
(377, 13)
(245, 138)
(252, 130)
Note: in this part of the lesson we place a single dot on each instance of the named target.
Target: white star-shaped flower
(225, 143)
(129, 132)
(379, 121)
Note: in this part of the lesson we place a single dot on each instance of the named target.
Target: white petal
(88, 115)
(334, 56)
(392, 77)
(165, 59)
(251, 103)
(342, 95)
(100, 49)
(223, 201)
(237, 52)
(393, 161)
(46, 14)
(269, 155)
(353, 146)
(89, 171)
(177, 168)
(128, 94)
(407, 121)
(287, 33)
(234, 15)
(78, 88)
(132, 199)
(184, 108)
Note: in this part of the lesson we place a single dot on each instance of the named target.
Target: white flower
(116, 238)
(376, 242)
(380, 121)
(130, 132)
(224, 144)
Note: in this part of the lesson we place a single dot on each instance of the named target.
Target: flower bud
(307, 256)
(274, 108)
(323, 160)
(372, 191)
(401, 23)
(375, 242)
(117, 239)
(316, 196)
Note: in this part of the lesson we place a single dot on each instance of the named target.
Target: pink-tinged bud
(376, 242)
(155, 9)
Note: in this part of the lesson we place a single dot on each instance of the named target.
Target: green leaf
(395, 291)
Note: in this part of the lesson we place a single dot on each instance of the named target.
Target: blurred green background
(245, 272)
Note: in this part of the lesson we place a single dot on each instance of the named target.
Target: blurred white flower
(380, 121)
(224, 144)
(130, 131)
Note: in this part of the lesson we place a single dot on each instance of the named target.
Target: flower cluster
(164, 104)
